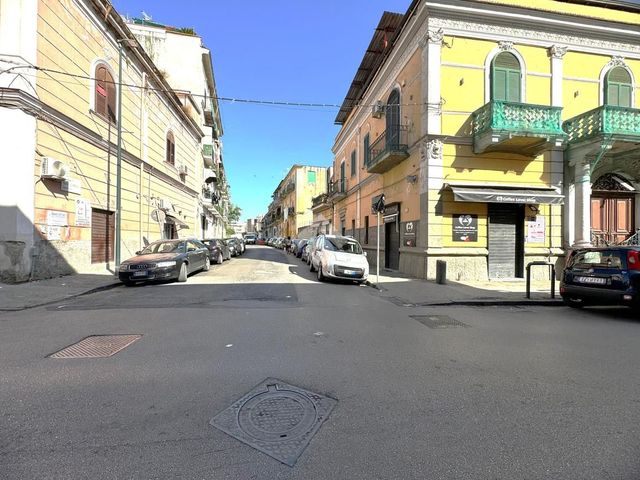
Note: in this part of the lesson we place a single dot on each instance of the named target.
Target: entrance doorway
(506, 240)
(392, 237)
(612, 210)
(102, 236)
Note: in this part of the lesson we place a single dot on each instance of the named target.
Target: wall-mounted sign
(83, 213)
(536, 230)
(56, 218)
(71, 185)
(465, 228)
(409, 242)
(53, 233)
(410, 229)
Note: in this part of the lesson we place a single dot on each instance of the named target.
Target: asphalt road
(515, 393)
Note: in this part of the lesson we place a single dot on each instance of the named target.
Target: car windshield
(341, 244)
(164, 247)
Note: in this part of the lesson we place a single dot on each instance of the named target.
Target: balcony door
(393, 120)
(505, 78)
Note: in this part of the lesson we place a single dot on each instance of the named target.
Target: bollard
(441, 272)
(552, 271)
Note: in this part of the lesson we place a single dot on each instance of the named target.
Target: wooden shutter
(353, 163)
(366, 150)
(505, 78)
(101, 91)
(111, 97)
(618, 88)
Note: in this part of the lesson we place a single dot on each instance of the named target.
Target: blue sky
(288, 50)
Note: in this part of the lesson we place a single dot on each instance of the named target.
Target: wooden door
(612, 218)
(102, 236)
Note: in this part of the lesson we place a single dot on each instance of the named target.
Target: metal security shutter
(102, 236)
(505, 241)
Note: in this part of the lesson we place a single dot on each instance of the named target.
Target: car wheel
(182, 276)
(128, 283)
(573, 302)
(219, 260)
(321, 277)
(207, 264)
(311, 268)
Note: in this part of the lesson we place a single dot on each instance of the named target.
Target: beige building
(59, 98)
(291, 209)
(188, 67)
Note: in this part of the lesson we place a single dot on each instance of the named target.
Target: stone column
(583, 203)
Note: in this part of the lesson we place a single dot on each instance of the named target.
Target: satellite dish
(158, 215)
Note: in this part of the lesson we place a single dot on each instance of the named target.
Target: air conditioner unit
(164, 204)
(52, 168)
(183, 170)
(377, 111)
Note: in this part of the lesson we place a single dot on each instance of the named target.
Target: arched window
(105, 93)
(392, 116)
(505, 78)
(170, 156)
(617, 87)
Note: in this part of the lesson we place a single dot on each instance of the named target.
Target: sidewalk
(412, 292)
(15, 297)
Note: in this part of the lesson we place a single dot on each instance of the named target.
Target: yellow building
(59, 93)
(291, 209)
(478, 121)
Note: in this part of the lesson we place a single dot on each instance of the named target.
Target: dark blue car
(602, 276)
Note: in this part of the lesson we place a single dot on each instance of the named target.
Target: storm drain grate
(276, 418)
(97, 346)
(438, 321)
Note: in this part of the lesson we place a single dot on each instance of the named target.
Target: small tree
(230, 231)
(234, 213)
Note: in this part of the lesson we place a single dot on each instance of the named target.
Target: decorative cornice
(19, 99)
(617, 61)
(470, 29)
(557, 51)
(434, 36)
(505, 46)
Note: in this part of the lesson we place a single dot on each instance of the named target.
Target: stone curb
(75, 295)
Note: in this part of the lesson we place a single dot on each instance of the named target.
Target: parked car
(299, 246)
(339, 257)
(165, 260)
(250, 238)
(311, 245)
(306, 249)
(218, 250)
(602, 276)
(234, 246)
(243, 245)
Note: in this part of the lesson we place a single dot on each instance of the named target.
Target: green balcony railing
(604, 120)
(207, 150)
(515, 117)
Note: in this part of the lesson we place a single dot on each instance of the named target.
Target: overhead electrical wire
(219, 98)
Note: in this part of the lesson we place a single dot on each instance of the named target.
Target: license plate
(142, 273)
(592, 280)
(350, 272)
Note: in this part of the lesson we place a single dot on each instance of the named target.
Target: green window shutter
(353, 163)
(618, 87)
(505, 78)
(311, 177)
(366, 156)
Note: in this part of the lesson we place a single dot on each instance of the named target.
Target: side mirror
(191, 249)
(138, 252)
(364, 253)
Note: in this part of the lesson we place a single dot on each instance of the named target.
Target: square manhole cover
(276, 418)
(97, 346)
(438, 321)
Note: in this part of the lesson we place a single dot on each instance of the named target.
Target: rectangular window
(367, 153)
(353, 163)
(311, 177)
(366, 228)
(353, 228)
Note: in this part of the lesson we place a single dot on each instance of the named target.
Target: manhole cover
(438, 321)
(97, 346)
(276, 418)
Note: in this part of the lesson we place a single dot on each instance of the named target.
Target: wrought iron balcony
(338, 188)
(391, 148)
(520, 128)
(320, 202)
(617, 125)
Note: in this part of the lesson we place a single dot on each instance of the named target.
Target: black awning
(210, 177)
(506, 195)
(176, 221)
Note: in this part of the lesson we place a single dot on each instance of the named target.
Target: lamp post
(118, 239)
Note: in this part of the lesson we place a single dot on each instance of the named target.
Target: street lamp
(118, 240)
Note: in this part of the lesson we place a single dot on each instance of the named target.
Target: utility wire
(219, 98)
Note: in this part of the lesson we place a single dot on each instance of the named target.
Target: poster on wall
(536, 231)
(465, 228)
(56, 218)
(83, 213)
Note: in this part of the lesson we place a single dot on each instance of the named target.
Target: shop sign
(56, 218)
(465, 228)
(83, 213)
(536, 230)
(410, 229)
